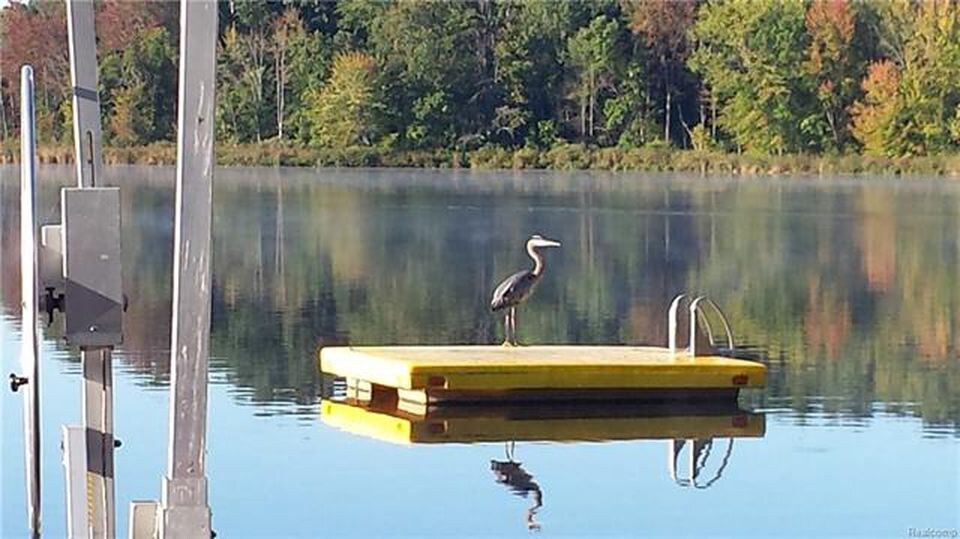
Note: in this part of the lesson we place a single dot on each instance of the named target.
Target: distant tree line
(759, 76)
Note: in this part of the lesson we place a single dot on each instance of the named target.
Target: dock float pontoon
(426, 375)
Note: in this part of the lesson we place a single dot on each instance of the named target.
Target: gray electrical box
(91, 266)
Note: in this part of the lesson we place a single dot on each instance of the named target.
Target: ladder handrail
(697, 317)
(723, 320)
(672, 323)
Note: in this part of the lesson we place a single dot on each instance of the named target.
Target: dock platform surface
(469, 373)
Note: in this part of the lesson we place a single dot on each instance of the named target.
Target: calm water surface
(847, 289)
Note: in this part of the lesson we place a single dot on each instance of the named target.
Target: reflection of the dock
(693, 426)
(474, 424)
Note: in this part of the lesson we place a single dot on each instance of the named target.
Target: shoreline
(563, 157)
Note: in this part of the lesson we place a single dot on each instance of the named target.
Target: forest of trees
(761, 77)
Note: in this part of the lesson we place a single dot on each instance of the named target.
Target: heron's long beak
(547, 243)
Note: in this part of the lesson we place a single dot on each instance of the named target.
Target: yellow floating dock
(504, 424)
(433, 374)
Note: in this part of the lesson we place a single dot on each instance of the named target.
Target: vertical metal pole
(96, 361)
(98, 425)
(184, 507)
(30, 366)
(86, 101)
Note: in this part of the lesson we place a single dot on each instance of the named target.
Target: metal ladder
(697, 316)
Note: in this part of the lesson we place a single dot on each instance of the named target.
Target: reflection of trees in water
(850, 289)
(872, 316)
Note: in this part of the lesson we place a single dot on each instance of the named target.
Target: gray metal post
(86, 102)
(30, 366)
(184, 508)
(98, 425)
(96, 361)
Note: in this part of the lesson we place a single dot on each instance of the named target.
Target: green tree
(625, 113)
(131, 121)
(529, 60)
(139, 83)
(751, 55)
(427, 54)
(238, 101)
(287, 30)
(592, 54)
(308, 57)
(345, 111)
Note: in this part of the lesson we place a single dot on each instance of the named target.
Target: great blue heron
(516, 288)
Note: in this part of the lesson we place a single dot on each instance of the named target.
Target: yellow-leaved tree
(345, 111)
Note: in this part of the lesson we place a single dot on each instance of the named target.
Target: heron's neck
(537, 260)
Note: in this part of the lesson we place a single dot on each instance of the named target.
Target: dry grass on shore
(560, 157)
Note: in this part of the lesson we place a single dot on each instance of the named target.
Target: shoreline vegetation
(731, 87)
(559, 157)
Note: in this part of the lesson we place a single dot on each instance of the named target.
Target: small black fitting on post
(16, 382)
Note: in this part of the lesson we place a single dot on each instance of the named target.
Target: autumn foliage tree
(836, 62)
(663, 28)
(874, 115)
(35, 34)
(761, 76)
(345, 111)
(930, 81)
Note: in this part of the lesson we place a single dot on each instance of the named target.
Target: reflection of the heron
(520, 482)
(683, 426)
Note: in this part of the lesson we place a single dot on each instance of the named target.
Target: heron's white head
(537, 241)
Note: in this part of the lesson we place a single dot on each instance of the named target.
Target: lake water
(848, 290)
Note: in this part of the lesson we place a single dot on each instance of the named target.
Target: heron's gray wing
(506, 292)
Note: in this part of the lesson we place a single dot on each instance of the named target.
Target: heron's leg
(506, 328)
(513, 322)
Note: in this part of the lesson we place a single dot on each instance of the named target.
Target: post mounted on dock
(183, 510)
(29, 375)
(87, 244)
(86, 101)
